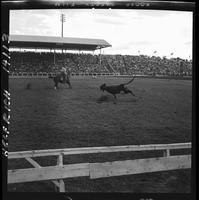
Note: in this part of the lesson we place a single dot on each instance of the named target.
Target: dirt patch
(28, 86)
(105, 98)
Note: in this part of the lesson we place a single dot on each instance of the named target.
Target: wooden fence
(94, 75)
(46, 75)
(57, 173)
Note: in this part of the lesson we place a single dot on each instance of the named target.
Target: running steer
(116, 89)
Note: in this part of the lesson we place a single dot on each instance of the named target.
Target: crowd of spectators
(90, 63)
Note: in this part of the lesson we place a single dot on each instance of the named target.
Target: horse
(60, 79)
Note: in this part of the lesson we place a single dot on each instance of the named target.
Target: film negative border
(136, 4)
(5, 95)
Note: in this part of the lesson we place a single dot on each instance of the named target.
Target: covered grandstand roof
(46, 42)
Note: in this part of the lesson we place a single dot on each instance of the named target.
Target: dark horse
(59, 79)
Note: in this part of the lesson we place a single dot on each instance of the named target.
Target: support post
(54, 56)
(166, 153)
(100, 59)
(61, 182)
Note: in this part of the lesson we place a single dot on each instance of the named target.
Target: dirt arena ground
(44, 118)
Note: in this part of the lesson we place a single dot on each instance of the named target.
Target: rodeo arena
(92, 122)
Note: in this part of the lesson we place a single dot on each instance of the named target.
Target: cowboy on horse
(63, 74)
(62, 77)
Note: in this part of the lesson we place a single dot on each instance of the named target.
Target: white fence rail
(117, 168)
(97, 170)
(90, 150)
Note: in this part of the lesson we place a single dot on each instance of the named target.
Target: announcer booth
(62, 44)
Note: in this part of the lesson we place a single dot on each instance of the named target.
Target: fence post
(61, 182)
(166, 153)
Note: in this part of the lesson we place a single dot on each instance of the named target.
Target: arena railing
(46, 75)
(57, 174)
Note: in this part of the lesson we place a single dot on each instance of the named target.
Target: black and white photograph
(100, 100)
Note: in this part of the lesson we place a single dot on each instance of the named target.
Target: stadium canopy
(66, 43)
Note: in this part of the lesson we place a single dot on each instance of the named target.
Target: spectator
(88, 63)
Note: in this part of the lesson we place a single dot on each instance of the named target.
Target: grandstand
(65, 43)
(38, 61)
(51, 53)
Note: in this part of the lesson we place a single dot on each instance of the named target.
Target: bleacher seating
(47, 62)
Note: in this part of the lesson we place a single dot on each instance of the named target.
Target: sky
(130, 32)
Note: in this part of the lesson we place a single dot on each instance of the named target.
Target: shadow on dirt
(108, 98)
